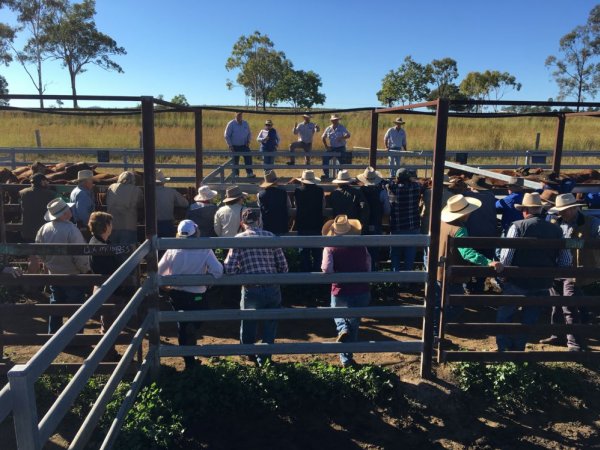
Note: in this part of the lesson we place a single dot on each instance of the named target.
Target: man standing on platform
(337, 135)
(237, 136)
(395, 140)
(305, 132)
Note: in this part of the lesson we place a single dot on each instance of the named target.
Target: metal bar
(411, 106)
(374, 130)
(149, 165)
(6, 402)
(498, 176)
(70, 368)
(38, 310)
(519, 300)
(59, 280)
(525, 243)
(291, 348)
(198, 147)
(80, 340)
(24, 407)
(3, 257)
(109, 98)
(558, 144)
(65, 249)
(492, 329)
(520, 356)
(529, 272)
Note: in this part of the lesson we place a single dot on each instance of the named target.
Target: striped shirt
(404, 202)
(255, 260)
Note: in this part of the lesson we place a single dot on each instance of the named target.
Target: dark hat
(37, 178)
(233, 194)
(250, 216)
(403, 173)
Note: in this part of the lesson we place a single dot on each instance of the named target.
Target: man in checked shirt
(533, 225)
(257, 296)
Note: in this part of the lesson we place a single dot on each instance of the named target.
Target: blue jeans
(123, 237)
(259, 297)
(408, 253)
(394, 160)
(349, 325)
(64, 295)
(247, 159)
(506, 313)
(326, 159)
(267, 160)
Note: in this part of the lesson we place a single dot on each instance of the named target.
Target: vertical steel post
(435, 207)
(199, 149)
(24, 408)
(3, 258)
(373, 148)
(558, 146)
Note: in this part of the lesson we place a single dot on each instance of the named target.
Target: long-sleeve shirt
(190, 262)
(167, 199)
(469, 254)
(227, 220)
(564, 259)
(337, 136)
(305, 131)
(255, 260)
(61, 232)
(507, 207)
(237, 133)
(395, 138)
(84, 205)
(269, 139)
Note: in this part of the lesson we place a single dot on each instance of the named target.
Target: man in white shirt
(305, 132)
(227, 217)
(395, 140)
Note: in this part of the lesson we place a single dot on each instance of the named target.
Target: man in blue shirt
(506, 206)
(237, 136)
(82, 198)
(337, 135)
(395, 140)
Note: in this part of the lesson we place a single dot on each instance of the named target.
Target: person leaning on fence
(348, 200)
(533, 225)
(188, 298)
(167, 199)
(350, 295)
(60, 230)
(394, 141)
(506, 206)
(82, 198)
(275, 205)
(123, 201)
(203, 211)
(269, 142)
(574, 225)
(257, 296)
(228, 216)
(237, 136)
(337, 134)
(305, 132)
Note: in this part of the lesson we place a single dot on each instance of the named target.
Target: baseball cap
(187, 228)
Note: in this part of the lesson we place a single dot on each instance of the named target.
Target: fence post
(558, 146)
(24, 408)
(38, 138)
(373, 148)
(439, 158)
(199, 149)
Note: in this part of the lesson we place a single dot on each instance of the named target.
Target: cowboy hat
(308, 116)
(341, 225)
(268, 122)
(459, 206)
(334, 117)
(530, 200)
(548, 196)
(370, 177)
(205, 194)
(478, 183)
(564, 201)
(187, 228)
(234, 193)
(83, 175)
(270, 179)
(343, 177)
(308, 177)
(160, 176)
(515, 184)
(399, 120)
(56, 208)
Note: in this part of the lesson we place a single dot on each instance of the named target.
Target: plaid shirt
(255, 260)
(404, 201)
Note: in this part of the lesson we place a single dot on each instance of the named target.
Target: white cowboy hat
(530, 200)
(56, 208)
(83, 175)
(308, 177)
(564, 201)
(341, 225)
(334, 117)
(399, 120)
(459, 206)
(204, 194)
(343, 177)
(370, 177)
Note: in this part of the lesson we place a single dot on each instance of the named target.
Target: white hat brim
(449, 216)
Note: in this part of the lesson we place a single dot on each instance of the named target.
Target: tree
(73, 39)
(488, 85)
(3, 90)
(260, 66)
(299, 88)
(7, 35)
(407, 84)
(451, 92)
(180, 99)
(443, 73)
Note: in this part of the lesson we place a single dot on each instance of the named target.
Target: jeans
(506, 313)
(349, 325)
(408, 253)
(394, 160)
(267, 160)
(326, 159)
(306, 146)
(259, 297)
(187, 331)
(247, 159)
(64, 295)
(123, 237)
(568, 315)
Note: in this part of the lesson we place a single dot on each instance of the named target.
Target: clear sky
(180, 46)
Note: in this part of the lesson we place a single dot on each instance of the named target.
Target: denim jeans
(64, 295)
(259, 297)
(394, 161)
(247, 159)
(326, 159)
(267, 160)
(349, 325)
(408, 253)
(568, 315)
(187, 331)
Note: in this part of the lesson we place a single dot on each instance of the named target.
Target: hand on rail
(497, 265)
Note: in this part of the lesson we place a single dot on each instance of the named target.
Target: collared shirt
(469, 254)
(237, 133)
(190, 262)
(227, 220)
(567, 228)
(61, 232)
(507, 207)
(255, 260)
(84, 206)
(305, 132)
(404, 202)
(395, 138)
(336, 135)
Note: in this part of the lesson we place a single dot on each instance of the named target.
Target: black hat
(37, 178)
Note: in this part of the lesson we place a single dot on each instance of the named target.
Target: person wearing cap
(59, 229)
(257, 296)
(351, 295)
(533, 225)
(275, 205)
(227, 217)
(309, 201)
(394, 141)
(82, 198)
(188, 261)
(337, 135)
(203, 211)
(237, 136)
(506, 206)
(305, 132)
(348, 200)
(574, 225)
(123, 201)
(167, 199)
(269, 141)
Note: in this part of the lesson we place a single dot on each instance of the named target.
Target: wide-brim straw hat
(270, 179)
(205, 194)
(530, 200)
(459, 206)
(343, 177)
(160, 177)
(56, 208)
(478, 183)
(234, 193)
(83, 175)
(308, 177)
(268, 122)
(399, 120)
(564, 201)
(308, 116)
(370, 177)
(340, 226)
(334, 117)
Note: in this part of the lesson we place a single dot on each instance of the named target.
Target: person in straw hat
(346, 259)
(506, 206)
(394, 141)
(533, 225)
(574, 224)
(167, 199)
(337, 135)
(82, 198)
(275, 205)
(347, 199)
(59, 229)
(188, 298)
(309, 201)
(123, 201)
(227, 217)
(269, 142)
(203, 211)
(305, 132)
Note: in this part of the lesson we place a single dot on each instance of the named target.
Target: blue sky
(180, 47)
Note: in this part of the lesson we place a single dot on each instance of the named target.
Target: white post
(24, 408)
